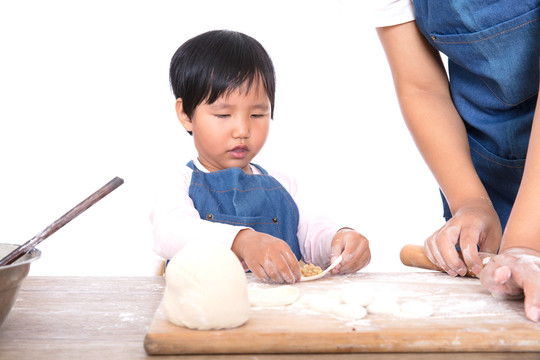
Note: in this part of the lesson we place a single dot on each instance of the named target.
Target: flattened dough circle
(357, 295)
(349, 311)
(274, 296)
(416, 309)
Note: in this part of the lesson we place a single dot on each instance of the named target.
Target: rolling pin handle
(415, 256)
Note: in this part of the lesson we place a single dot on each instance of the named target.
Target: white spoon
(318, 276)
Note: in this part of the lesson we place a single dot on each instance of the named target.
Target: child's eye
(257, 115)
(222, 116)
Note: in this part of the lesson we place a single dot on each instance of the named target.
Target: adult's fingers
(515, 274)
(531, 289)
(497, 279)
(446, 242)
(441, 250)
(468, 241)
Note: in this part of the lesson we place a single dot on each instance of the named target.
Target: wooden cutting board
(466, 318)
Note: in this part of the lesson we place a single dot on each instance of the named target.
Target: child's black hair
(217, 62)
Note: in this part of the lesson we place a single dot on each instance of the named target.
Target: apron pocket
(482, 152)
(504, 56)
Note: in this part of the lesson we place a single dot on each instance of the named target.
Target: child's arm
(175, 221)
(423, 91)
(321, 240)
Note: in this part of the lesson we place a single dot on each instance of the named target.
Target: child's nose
(241, 128)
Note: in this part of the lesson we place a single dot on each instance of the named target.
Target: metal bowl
(12, 276)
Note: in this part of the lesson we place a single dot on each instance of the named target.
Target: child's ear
(182, 116)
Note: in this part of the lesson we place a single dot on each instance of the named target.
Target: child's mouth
(239, 152)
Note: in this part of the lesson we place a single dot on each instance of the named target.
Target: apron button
(433, 37)
(274, 219)
(210, 216)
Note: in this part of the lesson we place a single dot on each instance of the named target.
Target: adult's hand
(515, 272)
(474, 225)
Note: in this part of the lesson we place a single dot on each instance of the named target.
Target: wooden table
(108, 317)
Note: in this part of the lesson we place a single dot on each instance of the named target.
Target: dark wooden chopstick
(63, 220)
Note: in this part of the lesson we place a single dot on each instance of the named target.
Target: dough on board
(357, 295)
(332, 304)
(206, 288)
(415, 309)
(384, 304)
(275, 296)
(354, 301)
(349, 311)
(323, 304)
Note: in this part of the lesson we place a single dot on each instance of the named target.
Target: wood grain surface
(466, 319)
(61, 317)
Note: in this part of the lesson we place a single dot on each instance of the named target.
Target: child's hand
(266, 256)
(355, 250)
(474, 224)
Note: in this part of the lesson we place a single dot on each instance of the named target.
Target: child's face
(232, 130)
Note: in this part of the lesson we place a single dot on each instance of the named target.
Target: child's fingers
(281, 266)
(338, 246)
(269, 258)
(293, 266)
(355, 251)
(352, 256)
(273, 272)
(259, 271)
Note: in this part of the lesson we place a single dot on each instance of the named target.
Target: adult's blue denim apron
(233, 197)
(493, 49)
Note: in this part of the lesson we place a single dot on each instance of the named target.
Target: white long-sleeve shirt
(392, 12)
(176, 222)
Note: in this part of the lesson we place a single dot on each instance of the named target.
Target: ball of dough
(206, 288)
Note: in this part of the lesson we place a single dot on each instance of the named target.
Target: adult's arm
(423, 92)
(516, 270)
(523, 228)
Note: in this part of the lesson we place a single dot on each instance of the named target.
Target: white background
(85, 97)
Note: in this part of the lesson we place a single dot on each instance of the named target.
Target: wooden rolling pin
(415, 256)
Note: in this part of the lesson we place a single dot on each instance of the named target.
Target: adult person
(477, 126)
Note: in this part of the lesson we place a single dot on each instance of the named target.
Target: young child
(224, 85)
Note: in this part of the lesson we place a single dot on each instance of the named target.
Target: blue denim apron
(493, 50)
(233, 197)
